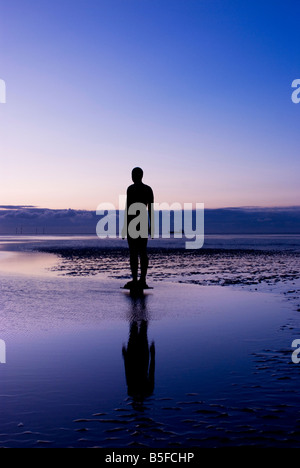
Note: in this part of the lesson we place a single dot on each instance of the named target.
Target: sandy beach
(207, 365)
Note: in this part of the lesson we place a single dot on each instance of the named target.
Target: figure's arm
(151, 216)
(124, 228)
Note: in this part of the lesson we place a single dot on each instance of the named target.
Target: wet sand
(221, 374)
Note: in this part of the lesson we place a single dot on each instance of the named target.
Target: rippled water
(221, 372)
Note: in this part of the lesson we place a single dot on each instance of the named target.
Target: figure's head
(137, 174)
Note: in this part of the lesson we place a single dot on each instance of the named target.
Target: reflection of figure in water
(139, 362)
(140, 193)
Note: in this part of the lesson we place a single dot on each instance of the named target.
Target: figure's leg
(134, 260)
(144, 260)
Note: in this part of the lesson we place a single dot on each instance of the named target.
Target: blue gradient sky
(196, 92)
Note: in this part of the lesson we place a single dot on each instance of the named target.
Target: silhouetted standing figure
(139, 361)
(142, 194)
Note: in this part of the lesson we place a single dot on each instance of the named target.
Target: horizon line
(249, 207)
